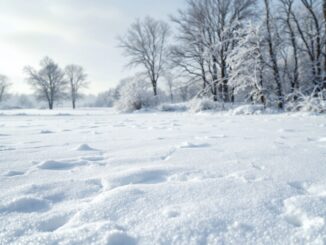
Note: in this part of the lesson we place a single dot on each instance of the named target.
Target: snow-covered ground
(98, 177)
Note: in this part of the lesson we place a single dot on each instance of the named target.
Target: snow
(161, 178)
(85, 147)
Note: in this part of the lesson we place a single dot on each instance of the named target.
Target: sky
(82, 32)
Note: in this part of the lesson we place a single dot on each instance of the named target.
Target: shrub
(136, 95)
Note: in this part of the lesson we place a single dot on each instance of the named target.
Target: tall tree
(316, 39)
(208, 35)
(247, 65)
(48, 82)
(145, 43)
(273, 54)
(287, 7)
(76, 78)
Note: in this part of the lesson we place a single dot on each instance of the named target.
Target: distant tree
(145, 43)
(48, 82)
(76, 78)
(4, 85)
(106, 99)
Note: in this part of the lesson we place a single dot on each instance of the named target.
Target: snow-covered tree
(207, 36)
(247, 66)
(135, 95)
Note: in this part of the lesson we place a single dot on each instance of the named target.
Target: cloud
(71, 31)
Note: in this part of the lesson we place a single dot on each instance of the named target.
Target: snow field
(161, 178)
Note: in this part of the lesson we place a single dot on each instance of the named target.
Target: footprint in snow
(134, 177)
(117, 237)
(258, 167)
(4, 148)
(53, 223)
(46, 132)
(245, 177)
(25, 205)
(193, 145)
(171, 212)
(13, 173)
(93, 158)
(307, 209)
(60, 165)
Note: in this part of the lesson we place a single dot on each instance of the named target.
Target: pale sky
(81, 32)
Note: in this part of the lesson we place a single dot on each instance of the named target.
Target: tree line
(269, 52)
(51, 83)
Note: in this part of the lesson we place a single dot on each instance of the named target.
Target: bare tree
(208, 33)
(273, 55)
(48, 82)
(316, 39)
(76, 78)
(309, 31)
(4, 85)
(145, 43)
(287, 7)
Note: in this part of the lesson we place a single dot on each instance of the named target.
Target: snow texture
(162, 178)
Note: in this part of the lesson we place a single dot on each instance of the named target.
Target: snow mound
(322, 139)
(60, 165)
(198, 105)
(193, 145)
(133, 177)
(173, 107)
(85, 147)
(46, 132)
(117, 237)
(248, 110)
(25, 205)
(12, 173)
(53, 223)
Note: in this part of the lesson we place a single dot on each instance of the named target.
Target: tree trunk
(154, 83)
(273, 58)
(215, 78)
(224, 84)
(295, 81)
(73, 104)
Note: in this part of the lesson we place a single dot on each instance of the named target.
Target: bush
(136, 95)
(248, 110)
(308, 103)
(205, 104)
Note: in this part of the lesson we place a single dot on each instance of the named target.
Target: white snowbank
(173, 107)
(248, 110)
(162, 178)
